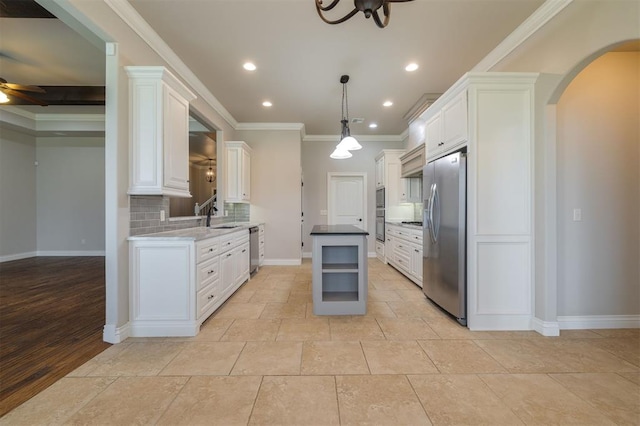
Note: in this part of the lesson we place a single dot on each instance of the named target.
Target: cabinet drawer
(402, 260)
(380, 249)
(207, 249)
(207, 297)
(402, 248)
(207, 272)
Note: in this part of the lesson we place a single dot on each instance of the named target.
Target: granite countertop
(337, 230)
(404, 225)
(197, 233)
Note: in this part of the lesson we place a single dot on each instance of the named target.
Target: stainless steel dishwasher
(254, 248)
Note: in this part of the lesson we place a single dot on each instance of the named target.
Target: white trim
(164, 329)
(372, 254)
(70, 253)
(133, 19)
(282, 262)
(306, 255)
(270, 126)
(18, 256)
(361, 138)
(598, 321)
(546, 328)
(533, 23)
(113, 334)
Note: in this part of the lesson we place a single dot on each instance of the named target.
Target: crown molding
(420, 106)
(133, 19)
(270, 126)
(548, 10)
(360, 138)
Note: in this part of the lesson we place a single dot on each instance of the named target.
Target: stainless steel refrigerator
(444, 256)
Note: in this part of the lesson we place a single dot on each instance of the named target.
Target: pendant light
(347, 142)
(210, 172)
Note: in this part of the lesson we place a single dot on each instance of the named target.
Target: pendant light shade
(340, 154)
(347, 141)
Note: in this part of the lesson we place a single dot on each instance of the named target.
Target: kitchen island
(339, 265)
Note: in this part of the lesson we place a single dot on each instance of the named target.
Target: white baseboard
(282, 262)
(113, 334)
(372, 254)
(17, 256)
(70, 253)
(546, 328)
(598, 322)
(306, 255)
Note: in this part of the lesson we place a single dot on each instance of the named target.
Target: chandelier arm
(339, 21)
(387, 13)
(325, 8)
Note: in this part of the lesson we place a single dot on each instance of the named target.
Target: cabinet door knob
(228, 254)
(211, 249)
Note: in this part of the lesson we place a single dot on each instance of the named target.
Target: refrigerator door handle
(435, 225)
(430, 217)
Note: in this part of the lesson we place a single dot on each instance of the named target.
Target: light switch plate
(577, 215)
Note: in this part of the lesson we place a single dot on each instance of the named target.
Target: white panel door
(347, 201)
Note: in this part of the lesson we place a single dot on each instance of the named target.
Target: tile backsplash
(145, 215)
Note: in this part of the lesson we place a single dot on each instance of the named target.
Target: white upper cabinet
(380, 173)
(238, 185)
(159, 132)
(447, 129)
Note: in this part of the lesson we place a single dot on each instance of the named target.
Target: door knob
(359, 220)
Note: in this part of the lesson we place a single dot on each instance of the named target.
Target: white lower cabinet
(380, 251)
(404, 251)
(176, 284)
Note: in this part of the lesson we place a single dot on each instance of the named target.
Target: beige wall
(18, 227)
(70, 195)
(275, 191)
(315, 166)
(598, 137)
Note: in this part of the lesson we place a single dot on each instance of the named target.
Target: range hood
(412, 162)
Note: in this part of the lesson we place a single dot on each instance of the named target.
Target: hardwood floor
(51, 316)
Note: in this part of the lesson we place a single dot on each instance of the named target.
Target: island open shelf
(339, 262)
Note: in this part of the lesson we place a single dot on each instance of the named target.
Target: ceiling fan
(12, 89)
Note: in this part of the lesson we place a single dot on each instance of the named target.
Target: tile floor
(264, 358)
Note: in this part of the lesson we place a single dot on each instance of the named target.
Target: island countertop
(337, 230)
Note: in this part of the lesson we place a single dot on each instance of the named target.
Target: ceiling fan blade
(23, 88)
(10, 92)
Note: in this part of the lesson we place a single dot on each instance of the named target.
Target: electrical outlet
(161, 215)
(577, 215)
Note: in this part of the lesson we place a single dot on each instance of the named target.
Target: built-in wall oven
(380, 214)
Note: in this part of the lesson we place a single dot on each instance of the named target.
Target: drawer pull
(416, 250)
(211, 249)
(213, 270)
(244, 251)
(229, 243)
(228, 254)
(211, 296)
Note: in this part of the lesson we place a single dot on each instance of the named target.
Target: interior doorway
(347, 199)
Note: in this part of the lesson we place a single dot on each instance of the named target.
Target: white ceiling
(299, 57)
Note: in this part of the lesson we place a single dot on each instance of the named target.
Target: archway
(592, 131)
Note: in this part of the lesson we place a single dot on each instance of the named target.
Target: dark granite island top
(337, 230)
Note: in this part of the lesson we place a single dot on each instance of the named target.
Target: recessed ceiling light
(372, 125)
(387, 103)
(267, 104)
(249, 66)
(411, 67)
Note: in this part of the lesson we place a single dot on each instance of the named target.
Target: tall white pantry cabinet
(497, 112)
